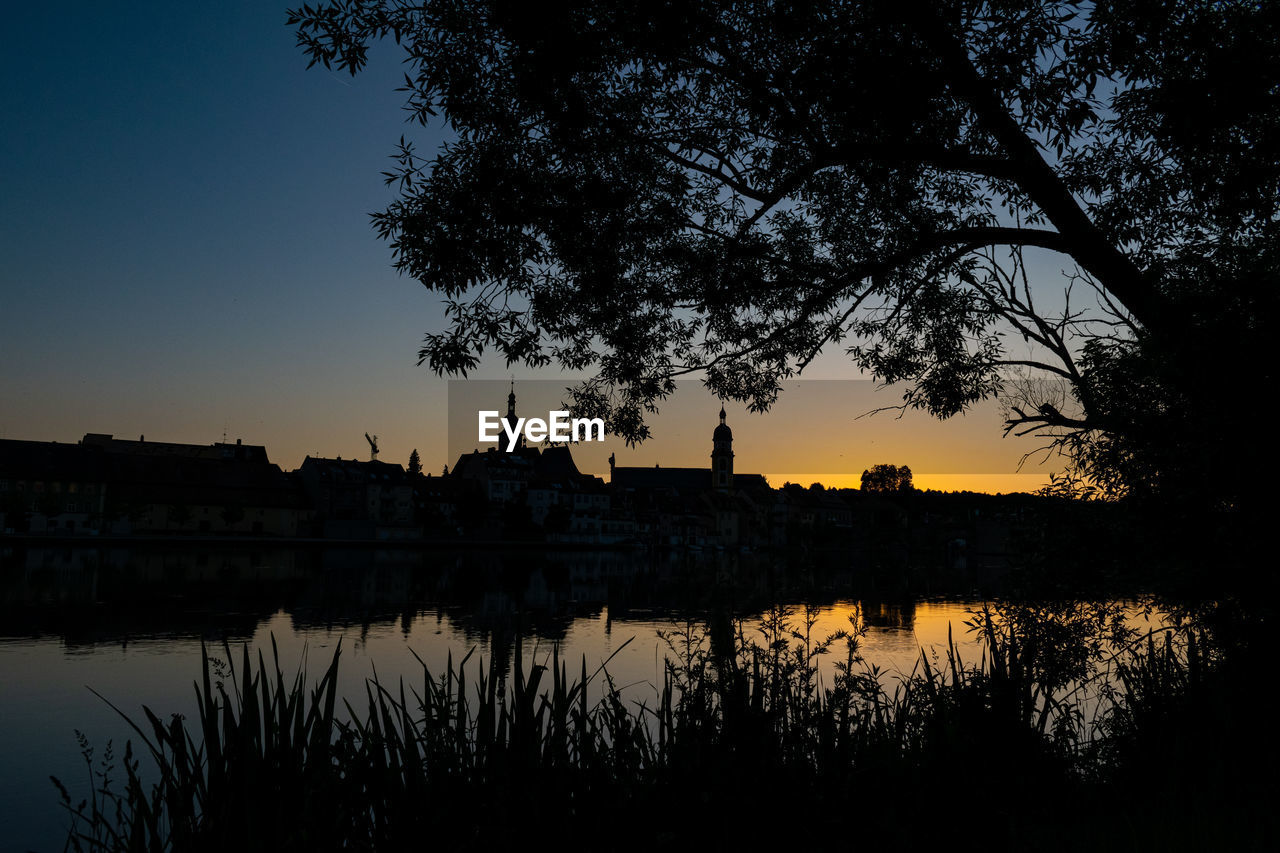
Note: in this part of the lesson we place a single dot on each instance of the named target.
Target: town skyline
(682, 438)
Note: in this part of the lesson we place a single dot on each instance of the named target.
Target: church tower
(512, 421)
(722, 456)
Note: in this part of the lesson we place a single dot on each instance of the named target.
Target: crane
(373, 446)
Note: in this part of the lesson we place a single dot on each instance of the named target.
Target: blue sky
(185, 246)
(185, 237)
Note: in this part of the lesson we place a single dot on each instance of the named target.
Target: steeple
(722, 456)
(511, 418)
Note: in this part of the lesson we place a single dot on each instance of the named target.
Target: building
(109, 485)
(46, 487)
(699, 507)
(719, 477)
(537, 488)
(361, 500)
(722, 457)
(158, 487)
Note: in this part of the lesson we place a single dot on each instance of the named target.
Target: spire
(722, 455)
(511, 418)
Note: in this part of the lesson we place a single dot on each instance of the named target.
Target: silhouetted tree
(415, 463)
(116, 508)
(659, 189)
(887, 478)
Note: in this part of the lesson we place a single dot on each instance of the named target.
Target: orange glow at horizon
(818, 428)
(987, 483)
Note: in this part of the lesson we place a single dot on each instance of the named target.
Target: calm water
(129, 623)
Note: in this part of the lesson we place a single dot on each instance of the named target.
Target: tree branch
(1085, 242)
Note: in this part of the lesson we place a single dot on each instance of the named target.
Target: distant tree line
(887, 478)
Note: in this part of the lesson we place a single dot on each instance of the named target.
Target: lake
(128, 622)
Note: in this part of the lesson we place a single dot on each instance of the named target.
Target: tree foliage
(887, 478)
(658, 189)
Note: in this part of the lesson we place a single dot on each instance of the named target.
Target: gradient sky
(185, 251)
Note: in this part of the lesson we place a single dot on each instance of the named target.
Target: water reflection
(88, 595)
(129, 622)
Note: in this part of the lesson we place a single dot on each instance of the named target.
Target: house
(47, 487)
(108, 485)
(158, 487)
(360, 500)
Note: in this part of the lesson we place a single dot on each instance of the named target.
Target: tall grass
(744, 741)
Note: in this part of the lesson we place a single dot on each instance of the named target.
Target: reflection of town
(91, 595)
(105, 486)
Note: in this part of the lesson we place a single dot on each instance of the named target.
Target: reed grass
(744, 741)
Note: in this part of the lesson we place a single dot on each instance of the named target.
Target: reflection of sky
(45, 697)
(187, 252)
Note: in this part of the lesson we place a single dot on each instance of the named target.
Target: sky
(186, 254)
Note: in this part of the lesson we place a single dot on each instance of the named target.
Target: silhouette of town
(109, 487)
